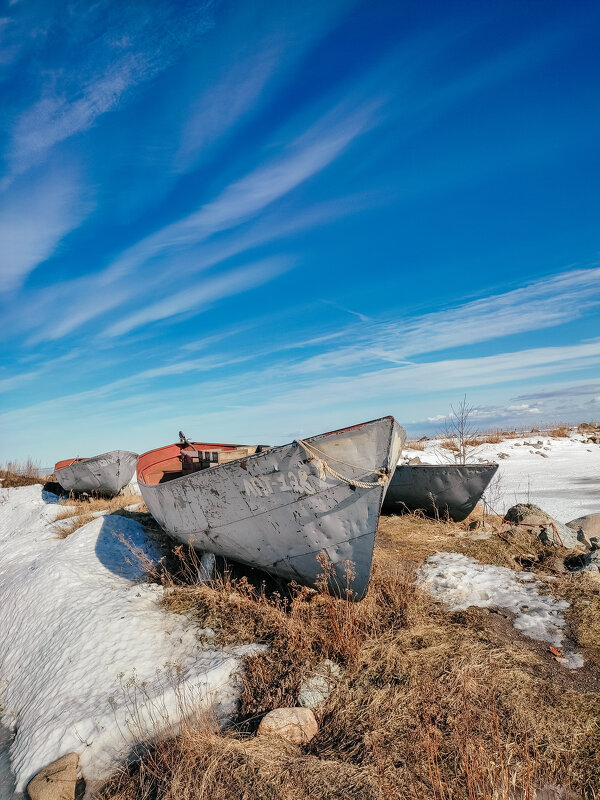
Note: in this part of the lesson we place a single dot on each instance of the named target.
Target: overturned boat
(278, 508)
(105, 474)
(444, 491)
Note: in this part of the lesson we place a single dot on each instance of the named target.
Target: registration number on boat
(261, 486)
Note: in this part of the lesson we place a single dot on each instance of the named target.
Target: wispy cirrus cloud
(34, 217)
(207, 291)
(542, 304)
(242, 201)
(111, 49)
(245, 198)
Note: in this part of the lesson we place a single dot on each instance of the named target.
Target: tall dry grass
(17, 473)
(78, 511)
(431, 704)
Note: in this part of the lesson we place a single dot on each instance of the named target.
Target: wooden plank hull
(445, 490)
(107, 473)
(274, 511)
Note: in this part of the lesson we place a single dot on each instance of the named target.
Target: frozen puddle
(90, 661)
(460, 581)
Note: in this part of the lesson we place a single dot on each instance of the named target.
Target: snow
(90, 661)
(460, 581)
(566, 484)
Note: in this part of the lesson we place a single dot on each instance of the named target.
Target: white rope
(323, 468)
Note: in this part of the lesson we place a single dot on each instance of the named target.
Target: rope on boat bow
(323, 468)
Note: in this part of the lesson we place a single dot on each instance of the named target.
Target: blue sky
(261, 220)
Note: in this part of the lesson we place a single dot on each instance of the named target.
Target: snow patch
(90, 661)
(566, 484)
(460, 581)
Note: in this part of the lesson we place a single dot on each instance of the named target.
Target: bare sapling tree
(459, 432)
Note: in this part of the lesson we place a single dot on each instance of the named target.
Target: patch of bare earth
(430, 704)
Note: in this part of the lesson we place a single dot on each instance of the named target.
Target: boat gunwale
(262, 453)
(73, 462)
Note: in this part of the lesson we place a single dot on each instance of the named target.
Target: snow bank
(460, 581)
(89, 660)
(565, 483)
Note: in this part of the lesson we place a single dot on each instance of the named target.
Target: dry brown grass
(414, 446)
(80, 511)
(431, 705)
(16, 473)
(560, 432)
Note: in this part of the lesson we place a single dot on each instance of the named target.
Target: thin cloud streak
(546, 303)
(131, 49)
(34, 218)
(208, 291)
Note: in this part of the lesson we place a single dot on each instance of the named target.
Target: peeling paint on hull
(448, 490)
(107, 473)
(273, 511)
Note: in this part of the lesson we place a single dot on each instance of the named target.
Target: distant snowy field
(89, 659)
(566, 483)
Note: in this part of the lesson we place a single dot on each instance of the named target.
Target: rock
(588, 526)
(297, 725)
(550, 791)
(539, 453)
(56, 781)
(551, 531)
(503, 455)
(317, 688)
(415, 460)
(589, 562)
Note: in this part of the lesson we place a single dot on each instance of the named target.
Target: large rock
(550, 530)
(297, 725)
(587, 527)
(57, 781)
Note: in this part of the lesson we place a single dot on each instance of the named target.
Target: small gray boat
(447, 491)
(279, 508)
(105, 474)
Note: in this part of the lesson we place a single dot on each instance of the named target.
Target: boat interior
(67, 462)
(183, 458)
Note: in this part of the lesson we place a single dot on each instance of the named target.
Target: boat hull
(275, 511)
(447, 491)
(107, 473)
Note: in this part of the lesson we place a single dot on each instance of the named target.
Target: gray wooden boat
(279, 508)
(107, 473)
(447, 491)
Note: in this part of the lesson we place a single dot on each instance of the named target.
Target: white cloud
(33, 219)
(544, 303)
(207, 290)
(128, 49)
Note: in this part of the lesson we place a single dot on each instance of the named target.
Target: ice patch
(89, 659)
(460, 581)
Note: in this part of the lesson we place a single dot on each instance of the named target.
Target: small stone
(550, 791)
(503, 455)
(318, 686)
(415, 460)
(297, 725)
(539, 453)
(56, 781)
